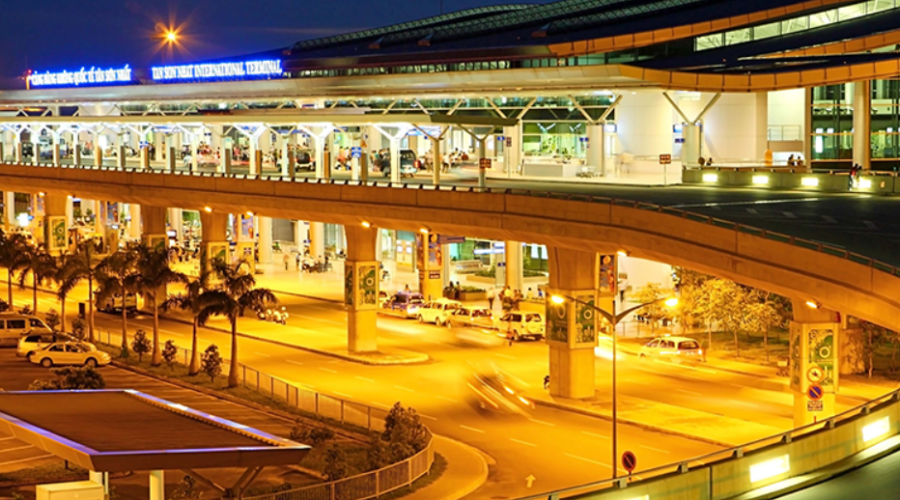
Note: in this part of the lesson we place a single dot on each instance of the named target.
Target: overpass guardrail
(794, 178)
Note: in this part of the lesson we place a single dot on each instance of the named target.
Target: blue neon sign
(218, 71)
(81, 78)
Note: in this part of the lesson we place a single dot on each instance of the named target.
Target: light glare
(770, 468)
(876, 429)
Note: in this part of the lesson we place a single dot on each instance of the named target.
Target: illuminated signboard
(82, 77)
(217, 71)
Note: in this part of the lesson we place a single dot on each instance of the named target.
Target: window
(667, 344)
(766, 31)
(2, 324)
(33, 338)
(851, 11)
(36, 323)
(823, 18)
(794, 25)
(879, 5)
(653, 343)
(56, 348)
(709, 41)
(737, 36)
(689, 345)
(15, 324)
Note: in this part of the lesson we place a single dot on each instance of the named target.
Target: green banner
(368, 285)
(557, 321)
(821, 353)
(585, 320)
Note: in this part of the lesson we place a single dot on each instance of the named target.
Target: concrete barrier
(832, 181)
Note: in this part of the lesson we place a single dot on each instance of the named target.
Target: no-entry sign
(629, 461)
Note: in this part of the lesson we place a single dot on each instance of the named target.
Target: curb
(424, 359)
(473, 485)
(634, 423)
(290, 417)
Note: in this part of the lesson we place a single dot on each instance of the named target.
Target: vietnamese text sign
(81, 78)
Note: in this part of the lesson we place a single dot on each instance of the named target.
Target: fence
(366, 485)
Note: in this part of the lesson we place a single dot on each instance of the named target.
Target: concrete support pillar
(214, 242)
(99, 217)
(264, 229)
(36, 153)
(9, 208)
(120, 157)
(692, 149)
(595, 147)
(395, 160)
(571, 327)
(226, 160)
(437, 158)
(55, 153)
(176, 221)
(514, 274)
(153, 231)
(323, 171)
(195, 152)
(158, 145)
(447, 270)
(2, 150)
(76, 150)
(56, 231)
(98, 153)
(18, 150)
(70, 211)
(134, 229)
(299, 235)
(255, 164)
(145, 158)
(430, 264)
(157, 485)
(862, 117)
(762, 124)
(361, 281)
(513, 147)
(286, 158)
(814, 370)
(170, 159)
(316, 239)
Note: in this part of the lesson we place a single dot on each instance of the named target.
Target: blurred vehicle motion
(495, 392)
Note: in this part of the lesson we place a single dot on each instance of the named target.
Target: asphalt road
(880, 479)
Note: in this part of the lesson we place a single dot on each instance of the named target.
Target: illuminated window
(851, 11)
(766, 31)
(737, 36)
(794, 25)
(823, 18)
(770, 468)
(709, 41)
(879, 5)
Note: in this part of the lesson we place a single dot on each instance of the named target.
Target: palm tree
(12, 257)
(235, 292)
(41, 265)
(82, 265)
(63, 287)
(193, 299)
(113, 271)
(152, 272)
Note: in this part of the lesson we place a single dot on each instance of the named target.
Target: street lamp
(614, 319)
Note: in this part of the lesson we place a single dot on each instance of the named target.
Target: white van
(114, 304)
(14, 326)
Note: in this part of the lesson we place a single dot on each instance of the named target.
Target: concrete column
(299, 235)
(120, 157)
(513, 147)
(321, 167)
(158, 145)
(807, 127)
(36, 151)
(316, 239)
(214, 242)
(98, 153)
(437, 158)
(395, 160)
(157, 485)
(361, 281)
(226, 160)
(145, 158)
(255, 166)
(9, 207)
(264, 229)
(762, 124)
(814, 362)
(862, 117)
(195, 152)
(170, 159)
(55, 152)
(447, 271)
(430, 265)
(595, 147)
(513, 261)
(134, 230)
(70, 211)
(18, 150)
(153, 230)
(176, 220)
(76, 150)
(286, 158)
(2, 150)
(572, 328)
(56, 231)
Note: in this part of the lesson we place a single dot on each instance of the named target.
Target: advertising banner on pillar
(57, 234)
(420, 252)
(585, 320)
(246, 233)
(368, 285)
(112, 212)
(217, 251)
(348, 285)
(607, 282)
(820, 352)
(435, 256)
(557, 321)
(795, 360)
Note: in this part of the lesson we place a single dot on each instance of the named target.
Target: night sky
(69, 34)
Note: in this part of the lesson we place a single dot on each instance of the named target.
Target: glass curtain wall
(885, 123)
(832, 123)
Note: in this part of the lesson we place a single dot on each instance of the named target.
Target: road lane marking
(542, 422)
(342, 394)
(689, 392)
(507, 356)
(329, 370)
(752, 211)
(294, 362)
(576, 457)
(364, 379)
(790, 215)
(594, 435)
(526, 443)
(447, 399)
(261, 354)
(429, 417)
(466, 427)
(869, 224)
(653, 449)
(403, 388)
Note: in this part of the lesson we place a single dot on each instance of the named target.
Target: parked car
(114, 304)
(407, 164)
(30, 344)
(438, 311)
(13, 326)
(303, 160)
(522, 325)
(70, 353)
(471, 316)
(675, 349)
(405, 303)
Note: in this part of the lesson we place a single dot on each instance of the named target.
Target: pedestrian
(509, 337)
(298, 261)
(490, 297)
(546, 382)
(456, 291)
(287, 260)
(529, 295)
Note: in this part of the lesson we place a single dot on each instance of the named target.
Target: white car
(34, 342)
(438, 312)
(522, 325)
(676, 349)
(70, 353)
(480, 317)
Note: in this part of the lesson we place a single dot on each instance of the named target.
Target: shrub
(335, 463)
(315, 436)
(4, 306)
(78, 328)
(211, 362)
(403, 433)
(170, 353)
(140, 344)
(70, 378)
(186, 489)
(25, 310)
(52, 319)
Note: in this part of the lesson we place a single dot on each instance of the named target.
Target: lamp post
(614, 319)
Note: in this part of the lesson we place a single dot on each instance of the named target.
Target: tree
(70, 378)
(170, 353)
(186, 489)
(152, 273)
(52, 319)
(335, 463)
(82, 265)
(726, 300)
(78, 328)
(41, 265)
(193, 300)
(212, 362)
(404, 432)
(874, 335)
(653, 310)
(112, 273)
(12, 257)
(140, 344)
(758, 316)
(235, 293)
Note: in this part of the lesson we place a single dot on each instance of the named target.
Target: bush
(70, 378)
(315, 436)
(335, 463)
(25, 310)
(78, 328)
(378, 455)
(4, 306)
(140, 344)
(472, 289)
(403, 433)
(170, 353)
(52, 319)
(211, 362)
(186, 489)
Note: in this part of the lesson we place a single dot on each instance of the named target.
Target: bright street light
(671, 301)
(557, 299)
(171, 36)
